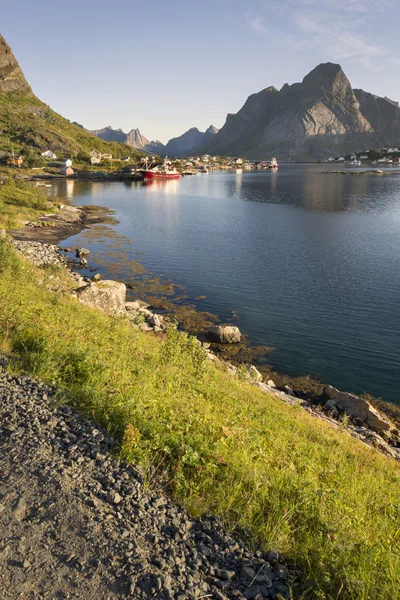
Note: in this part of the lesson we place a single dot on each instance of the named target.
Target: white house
(340, 159)
(95, 157)
(49, 155)
(392, 150)
(68, 163)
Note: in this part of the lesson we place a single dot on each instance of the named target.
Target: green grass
(21, 201)
(27, 121)
(294, 484)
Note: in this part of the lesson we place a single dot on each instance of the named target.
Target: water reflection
(309, 261)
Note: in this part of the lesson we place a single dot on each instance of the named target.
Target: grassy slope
(21, 201)
(328, 502)
(25, 120)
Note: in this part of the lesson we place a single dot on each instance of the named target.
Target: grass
(20, 201)
(289, 481)
(27, 121)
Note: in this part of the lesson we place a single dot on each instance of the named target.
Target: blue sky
(167, 66)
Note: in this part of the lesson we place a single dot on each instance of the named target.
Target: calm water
(309, 262)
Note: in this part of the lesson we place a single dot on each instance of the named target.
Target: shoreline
(313, 402)
(164, 296)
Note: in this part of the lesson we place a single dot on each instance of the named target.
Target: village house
(49, 155)
(67, 171)
(237, 161)
(95, 157)
(68, 163)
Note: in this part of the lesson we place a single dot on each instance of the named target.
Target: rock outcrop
(12, 78)
(317, 118)
(107, 295)
(224, 334)
(357, 408)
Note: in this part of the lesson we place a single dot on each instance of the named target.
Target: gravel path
(75, 523)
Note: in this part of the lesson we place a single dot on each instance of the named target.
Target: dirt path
(74, 523)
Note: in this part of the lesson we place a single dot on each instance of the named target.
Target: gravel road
(76, 523)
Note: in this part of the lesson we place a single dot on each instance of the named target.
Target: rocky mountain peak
(330, 77)
(12, 78)
(212, 129)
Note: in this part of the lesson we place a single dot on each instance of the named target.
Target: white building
(68, 163)
(49, 155)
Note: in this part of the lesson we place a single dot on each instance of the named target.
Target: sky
(164, 67)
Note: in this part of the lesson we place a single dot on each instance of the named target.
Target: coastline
(305, 391)
(213, 432)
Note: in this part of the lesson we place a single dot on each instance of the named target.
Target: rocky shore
(76, 523)
(66, 222)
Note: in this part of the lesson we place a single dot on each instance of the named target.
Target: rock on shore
(75, 523)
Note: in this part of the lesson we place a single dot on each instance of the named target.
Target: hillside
(297, 486)
(320, 117)
(26, 120)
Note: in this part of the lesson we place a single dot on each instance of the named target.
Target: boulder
(108, 296)
(253, 373)
(79, 252)
(132, 306)
(156, 321)
(224, 334)
(357, 408)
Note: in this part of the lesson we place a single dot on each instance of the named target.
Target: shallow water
(310, 262)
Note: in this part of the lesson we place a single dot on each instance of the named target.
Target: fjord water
(310, 262)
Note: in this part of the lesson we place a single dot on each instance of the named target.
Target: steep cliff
(316, 118)
(12, 78)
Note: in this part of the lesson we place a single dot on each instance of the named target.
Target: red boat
(163, 172)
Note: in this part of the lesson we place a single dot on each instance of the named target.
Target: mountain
(319, 117)
(26, 120)
(134, 139)
(191, 142)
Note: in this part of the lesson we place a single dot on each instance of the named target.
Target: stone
(224, 334)
(271, 383)
(156, 321)
(254, 373)
(358, 408)
(108, 296)
(79, 252)
(132, 306)
(96, 277)
(113, 497)
(288, 390)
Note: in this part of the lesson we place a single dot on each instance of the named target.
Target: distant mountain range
(320, 117)
(26, 120)
(190, 142)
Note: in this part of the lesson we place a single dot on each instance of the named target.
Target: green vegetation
(294, 484)
(20, 201)
(26, 121)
